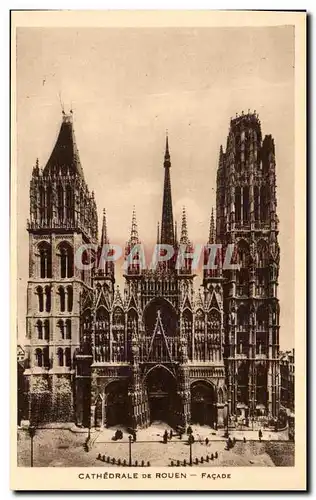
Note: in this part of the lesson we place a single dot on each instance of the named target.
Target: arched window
(39, 357)
(243, 253)
(66, 261)
(61, 325)
(245, 204)
(60, 197)
(262, 330)
(48, 299)
(45, 257)
(39, 292)
(261, 386)
(262, 318)
(242, 282)
(42, 203)
(243, 383)
(262, 270)
(262, 254)
(49, 204)
(39, 326)
(61, 292)
(242, 275)
(256, 202)
(68, 356)
(46, 357)
(60, 356)
(237, 204)
(213, 334)
(242, 317)
(264, 203)
(69, 203)
(68, 329)
(69, 298)
(46, 329)
(242, 341)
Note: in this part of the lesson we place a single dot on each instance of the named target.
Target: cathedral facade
(158, 350)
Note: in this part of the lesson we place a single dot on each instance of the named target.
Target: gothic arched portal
(203, 403)
(162, 396)
(116, 404)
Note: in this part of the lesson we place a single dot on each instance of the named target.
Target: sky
(127, 86)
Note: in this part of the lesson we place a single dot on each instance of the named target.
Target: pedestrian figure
(171, 434)
(244, 439)
(180, 435)
(260, 434)
(189, 430)
(165, 437)
(206, 441)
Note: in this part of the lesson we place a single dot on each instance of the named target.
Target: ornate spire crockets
(211, 238)
(167, 227)
(184, 239)
(104, 234)
(134, 239)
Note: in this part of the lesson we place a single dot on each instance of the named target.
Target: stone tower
(63, 216)
(246, 218)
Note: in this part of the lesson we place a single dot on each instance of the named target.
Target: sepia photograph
(155, 198)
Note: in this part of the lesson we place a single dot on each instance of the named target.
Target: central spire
(167, 227)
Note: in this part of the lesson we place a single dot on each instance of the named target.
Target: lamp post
(32, 431)
(190, 440)
(130, 451)
(227, 418)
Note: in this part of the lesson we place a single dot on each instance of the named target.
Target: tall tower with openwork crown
(63, 217)
(247, 219)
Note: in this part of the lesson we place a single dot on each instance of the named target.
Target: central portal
(162, 396)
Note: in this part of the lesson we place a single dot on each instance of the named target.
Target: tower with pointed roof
(63, 217)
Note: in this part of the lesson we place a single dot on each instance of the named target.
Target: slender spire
(211, 238)
(167, 227)
(167, 154)
(158, 233)
(176, 232)
(134, 239)
(104, 234)
(184, 239)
